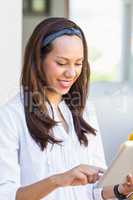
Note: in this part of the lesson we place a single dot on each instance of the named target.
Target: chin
(63, 92)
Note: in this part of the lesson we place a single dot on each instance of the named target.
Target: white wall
(10, 42)
(10, 47)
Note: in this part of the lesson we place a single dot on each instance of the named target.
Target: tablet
(120, 166)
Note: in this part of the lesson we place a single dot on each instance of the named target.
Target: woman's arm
(37, 190)
(79, 175)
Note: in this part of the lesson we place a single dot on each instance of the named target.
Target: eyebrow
(68, 58)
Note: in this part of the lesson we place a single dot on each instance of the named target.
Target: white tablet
(120, 167)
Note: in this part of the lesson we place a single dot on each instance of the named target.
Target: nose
(70, 73)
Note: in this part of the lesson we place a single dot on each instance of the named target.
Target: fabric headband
(66, 31)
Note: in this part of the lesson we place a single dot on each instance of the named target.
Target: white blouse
(23, 163)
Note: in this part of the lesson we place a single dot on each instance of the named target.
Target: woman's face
(63, 64)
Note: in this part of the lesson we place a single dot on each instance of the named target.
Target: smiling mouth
(65, 83)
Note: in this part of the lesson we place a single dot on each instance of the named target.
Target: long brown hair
(33, 82)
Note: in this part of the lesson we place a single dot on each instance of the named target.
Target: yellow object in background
(130, 136)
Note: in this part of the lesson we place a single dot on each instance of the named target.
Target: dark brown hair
(33, 84)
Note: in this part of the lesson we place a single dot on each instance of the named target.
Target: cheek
(53, 71)
(79, 72)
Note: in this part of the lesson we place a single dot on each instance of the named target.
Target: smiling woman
(63, 64)
(52, 80)
(47, 141)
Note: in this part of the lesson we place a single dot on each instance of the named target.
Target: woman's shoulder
(12, 113)
(13, 104)
(11, 123)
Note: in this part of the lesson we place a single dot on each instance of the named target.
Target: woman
(47, 143)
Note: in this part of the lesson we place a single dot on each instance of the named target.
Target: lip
(65, 83)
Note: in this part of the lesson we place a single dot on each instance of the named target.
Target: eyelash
(65, 64)
(61, 64)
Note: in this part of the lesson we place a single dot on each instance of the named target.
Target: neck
(54, 98)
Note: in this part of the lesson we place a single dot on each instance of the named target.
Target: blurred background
(106, 23)
(108, 27)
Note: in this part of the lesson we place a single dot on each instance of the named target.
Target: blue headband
(66, 31)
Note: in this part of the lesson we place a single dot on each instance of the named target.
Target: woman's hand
(80, 175)
(127, 187)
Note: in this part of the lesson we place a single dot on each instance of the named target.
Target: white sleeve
(96, 145)
(9, 150)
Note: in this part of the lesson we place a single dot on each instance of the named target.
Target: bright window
(36, 7)
(102, 23)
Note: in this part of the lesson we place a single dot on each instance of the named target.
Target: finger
(98, 176)
(129, 179)
(82, 178)
(90, 179)
(93, 178)
(87, 168)
(92, 174)
(89, 171)
(99, 169)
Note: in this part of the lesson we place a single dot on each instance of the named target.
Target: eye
(78, 64)
(61, 64)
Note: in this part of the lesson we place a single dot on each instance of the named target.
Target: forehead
(68, 45)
